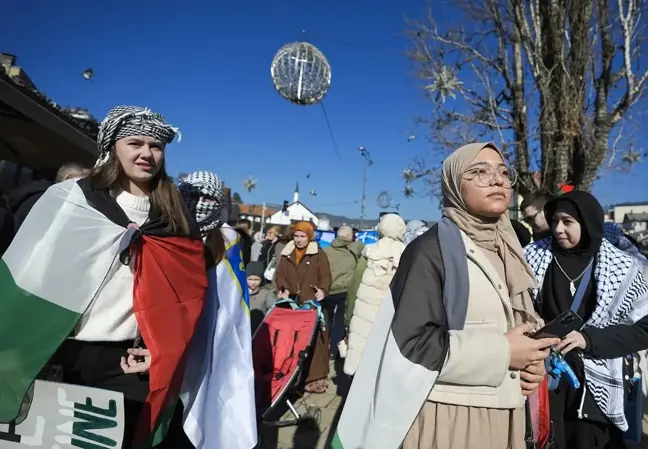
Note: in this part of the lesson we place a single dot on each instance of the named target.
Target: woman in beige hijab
(478, 403)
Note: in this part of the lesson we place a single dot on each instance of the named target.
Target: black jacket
(23, 198)
(420, 324)
(267, 252)
(246, 245)
(6, 227)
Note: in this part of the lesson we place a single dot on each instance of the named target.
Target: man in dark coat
(532, 211)
(23, 198)
(6, 225)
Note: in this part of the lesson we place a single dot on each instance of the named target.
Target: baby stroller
(281, 348)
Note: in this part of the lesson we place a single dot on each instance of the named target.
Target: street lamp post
(368, 161)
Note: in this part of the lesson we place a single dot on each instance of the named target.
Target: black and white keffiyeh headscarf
(203, 194)
(621, 298)
(126, 121)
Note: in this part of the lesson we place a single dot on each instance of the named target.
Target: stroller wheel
(313, 415)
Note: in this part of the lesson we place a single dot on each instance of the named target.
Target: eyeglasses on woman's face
(484, 174)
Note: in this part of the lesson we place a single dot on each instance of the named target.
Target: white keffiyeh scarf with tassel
(621, 298)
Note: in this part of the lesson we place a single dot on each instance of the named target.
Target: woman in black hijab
(576, 221)
(614, 309)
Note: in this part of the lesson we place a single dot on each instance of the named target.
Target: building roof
(636, 217)
(256, 210)
(39, 135)
(304, 206)
(88, 126)
(635, 203)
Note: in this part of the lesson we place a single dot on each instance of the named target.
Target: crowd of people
(434, 323)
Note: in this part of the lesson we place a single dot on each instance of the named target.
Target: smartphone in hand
(560, 327)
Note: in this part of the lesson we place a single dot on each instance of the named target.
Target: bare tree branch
(550, 79)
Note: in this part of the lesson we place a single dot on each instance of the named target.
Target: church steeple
(296, 194)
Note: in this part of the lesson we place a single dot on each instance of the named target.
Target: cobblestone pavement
(644, 444)
(310, 434)
(313, 435)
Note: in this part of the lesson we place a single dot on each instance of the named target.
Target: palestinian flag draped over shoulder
(387, 392)
(54, 269)
(408, 342)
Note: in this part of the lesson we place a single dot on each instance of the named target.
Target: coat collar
(312, 248)
(477, 255)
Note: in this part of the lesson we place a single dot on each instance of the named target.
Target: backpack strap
(352, 253)
(580, 293)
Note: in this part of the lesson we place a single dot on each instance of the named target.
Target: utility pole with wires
(368, 162)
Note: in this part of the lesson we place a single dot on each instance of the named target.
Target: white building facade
(296, 211)
(619, 211)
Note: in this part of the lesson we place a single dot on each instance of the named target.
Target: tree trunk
(602, 120)
(526, 180)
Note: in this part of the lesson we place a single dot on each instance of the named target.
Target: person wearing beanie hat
(261, 299)
(304, 274)
(306, 228)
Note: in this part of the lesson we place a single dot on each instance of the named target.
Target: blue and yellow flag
(218, 387)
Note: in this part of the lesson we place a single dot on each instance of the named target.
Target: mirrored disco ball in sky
(300, 73)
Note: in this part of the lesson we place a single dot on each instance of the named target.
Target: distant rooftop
(16, 76)
(636, 217)
(635, 203)
(257, 209)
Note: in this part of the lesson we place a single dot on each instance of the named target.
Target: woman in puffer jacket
(376, 268)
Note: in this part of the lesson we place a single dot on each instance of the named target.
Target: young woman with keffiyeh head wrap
(223, 355)
(138, 265)
(203, 194)
(132, 142)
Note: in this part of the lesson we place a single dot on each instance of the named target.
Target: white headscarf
(385, 254)
(414, 229)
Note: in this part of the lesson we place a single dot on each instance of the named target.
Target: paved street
(645, 428)
(309, 435)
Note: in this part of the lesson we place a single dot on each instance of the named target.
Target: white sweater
(110, 317)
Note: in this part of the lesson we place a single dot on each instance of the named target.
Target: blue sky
(206, 67)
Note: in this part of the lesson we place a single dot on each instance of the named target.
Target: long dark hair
(164, 197)
(215, 250)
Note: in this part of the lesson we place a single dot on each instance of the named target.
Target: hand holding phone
(560, 327)
(524, 350)
(572, 341)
